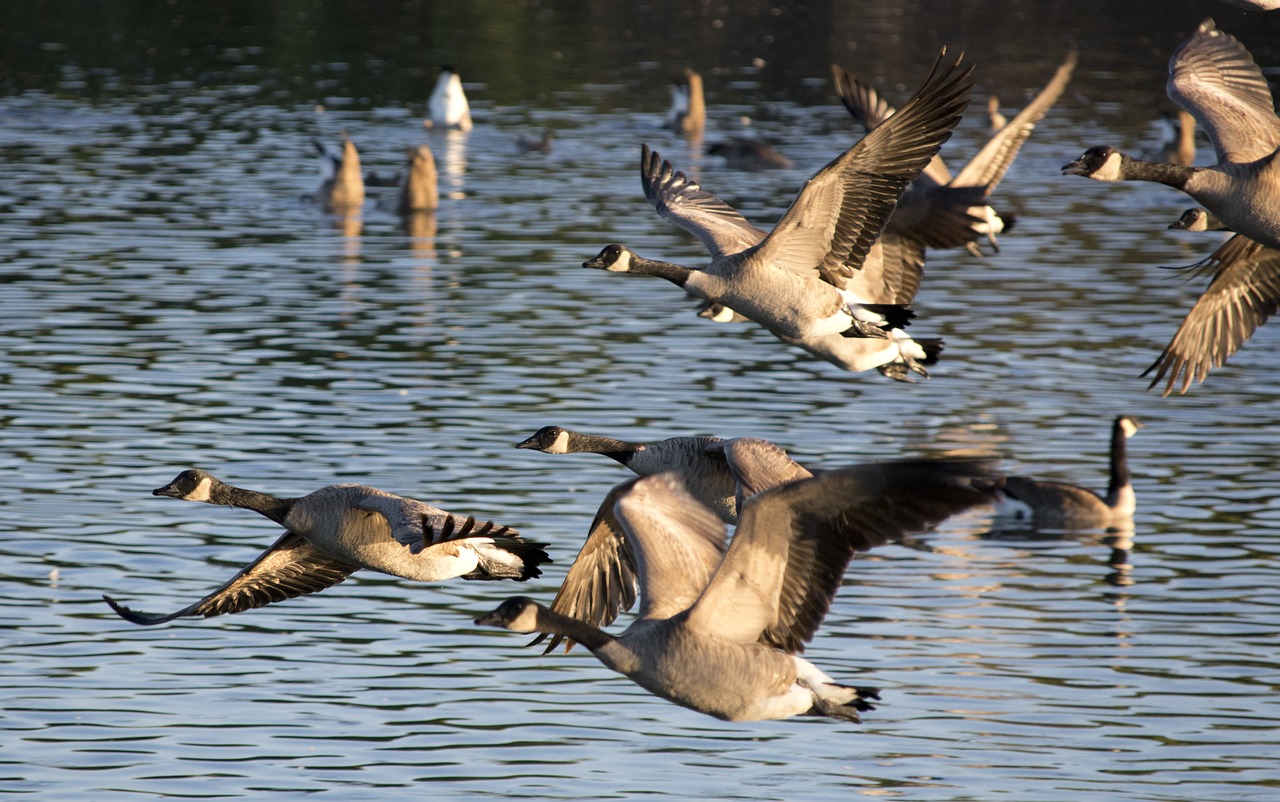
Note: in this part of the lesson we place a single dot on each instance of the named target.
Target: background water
(168, 299)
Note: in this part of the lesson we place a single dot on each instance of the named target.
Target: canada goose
(1197, 218)
(418, 192)
(341, 184)
(1243, 293)
(940, 210)
(994, 116)
(1212, 76)
(688, 112)
(720, 629)
(1181, 147)
(340, 529)
(795, 281)
(1058, 505)
(448, 107)
(601, 582)
(747, 154)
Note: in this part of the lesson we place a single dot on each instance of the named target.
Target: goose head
(1129, 425)
(1197, 218)
(614, 258)
(518, 614)
(190, 485)
(548, 440)
(1101, 163)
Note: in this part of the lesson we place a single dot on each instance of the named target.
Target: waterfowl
(601, 582)
(1243, 293)
(541, 144)
(340, 529)
(418, 191)
(720, 629)
(742, 153)
(796, 281)
(1058, 505)
(699, 461)
(1181, 147)
(945, 211)
(1197, 218)
(341, 184)
(688, 112)
(994, 117)
(1214, 77)
(448, 107)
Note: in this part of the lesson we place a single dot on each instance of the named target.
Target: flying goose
(341, 184)
(688, 112)
(720, 629)
(340, 529)
(448, 107)
(418, 191)
(1197, 218)
(1243, 293)
(698, 460)
(795, 281)
(945, 211)
(1058, 505)
(1213, 77)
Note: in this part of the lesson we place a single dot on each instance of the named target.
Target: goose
(1058, 505)
(994, 116)
(795, 280)
(1197, 218)
(341, 184)
(742, 153)
(1181, 147)
(340, 529)
(448, 107)
(1243, 293)
(1214, 77)
(418, 192)
(688, 112)
(698, 460)
(541, 144)
(721, 628)
(601, 582)
(945, 211)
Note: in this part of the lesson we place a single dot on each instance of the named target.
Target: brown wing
(291, 567)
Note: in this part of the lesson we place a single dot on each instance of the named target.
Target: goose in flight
(721, 627)
(340, 529)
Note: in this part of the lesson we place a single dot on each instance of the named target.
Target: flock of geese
(723, 621)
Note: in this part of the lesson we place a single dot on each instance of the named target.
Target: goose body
(1214, 78)
(688, 112)
(747, 154)
(448, 107)
(418, 185)
(945, 211)
(796, 280)
(341, 183)
(721, 627)
(340, 529)
(1059, 505)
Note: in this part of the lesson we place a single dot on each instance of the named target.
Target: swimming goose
(1243, 293)
(1181, 147)
(795, 281)
(720, 630)
(448, 107)
(341, 184)
(940, 210)
(418, 191)
(340, 529)
(688, 112)
(742, 153)
(1213, 77)
(698, 460)
(1058, 505)
(602, 580)
(994, 116)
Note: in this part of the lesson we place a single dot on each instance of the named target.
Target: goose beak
(1075, 168)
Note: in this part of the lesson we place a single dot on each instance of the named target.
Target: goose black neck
(676, 274)
(1173, 175)
(1119, 460)
(568, 627)
(277, 509)
(619, 450)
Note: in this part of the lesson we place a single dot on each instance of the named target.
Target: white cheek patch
(1110, 169)
(561, 444)
(622, 264)
(201, 491)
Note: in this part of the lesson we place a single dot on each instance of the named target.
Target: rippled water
(170, 299)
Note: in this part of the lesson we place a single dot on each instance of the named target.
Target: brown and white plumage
(688, 112)
(340, 529)
(1059, 505)
(945, 211)
(341, 183)
(795, 281)
(1243, 293)
(720, 629)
